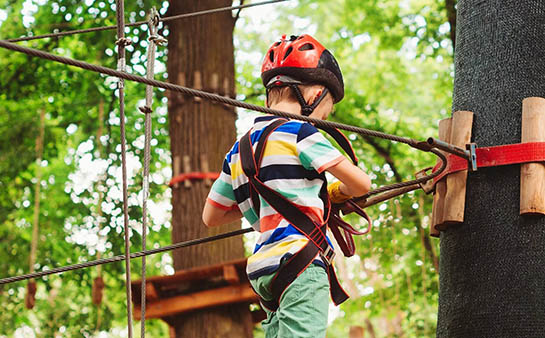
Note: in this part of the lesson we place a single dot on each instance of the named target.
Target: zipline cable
(118, 258)
(7, 280)
(423, 146)
(139, 23)
(121, 43)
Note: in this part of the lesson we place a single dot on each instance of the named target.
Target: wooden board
(460, 135)
(441, 186)
(532, 175)
(241, 293)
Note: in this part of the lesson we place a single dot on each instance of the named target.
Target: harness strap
(341, 139)
(496, 156)
(316, 233)
(336, 224)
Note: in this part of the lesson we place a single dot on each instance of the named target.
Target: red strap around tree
(193, 176)
(496, 156)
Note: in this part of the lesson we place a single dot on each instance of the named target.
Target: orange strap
(193, 176)
(496, 156)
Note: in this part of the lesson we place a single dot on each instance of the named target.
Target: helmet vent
(277, 43)
(288, 53)
(271, 56)
(306, 46)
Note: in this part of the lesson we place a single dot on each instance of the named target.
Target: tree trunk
(200, 55)
(492, 266)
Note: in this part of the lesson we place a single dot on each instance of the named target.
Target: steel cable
(118, 258)
(139, 23)
(226, 100)
(121, 63)
(175, 246)
(154, 40)
(222, 99)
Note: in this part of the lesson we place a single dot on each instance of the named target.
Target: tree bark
(492, 265)
(201, 55)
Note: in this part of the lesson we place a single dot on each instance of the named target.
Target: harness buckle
(328, 255)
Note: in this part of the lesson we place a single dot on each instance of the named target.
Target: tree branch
(238, 12)
(385, 154)
(450, 6)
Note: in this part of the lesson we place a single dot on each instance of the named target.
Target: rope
(7, 280)
(78, 266)
(121, 43)
(154, 40)
(138, 23)
(423, 146)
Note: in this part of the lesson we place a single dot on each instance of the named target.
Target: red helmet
(303, 59)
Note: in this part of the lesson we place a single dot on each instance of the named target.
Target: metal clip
(472, 148)
(328, 255)
(428, 186)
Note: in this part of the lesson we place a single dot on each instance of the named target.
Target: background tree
(201, 56)
(492, 265)
(397, 60)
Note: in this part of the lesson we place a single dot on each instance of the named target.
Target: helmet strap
(307, 109)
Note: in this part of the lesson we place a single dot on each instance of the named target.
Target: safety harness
(315, 232)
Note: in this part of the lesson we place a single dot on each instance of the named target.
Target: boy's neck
(288, 107)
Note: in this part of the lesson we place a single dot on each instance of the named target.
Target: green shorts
(303, 306)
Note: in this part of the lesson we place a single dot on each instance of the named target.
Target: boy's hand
(335, 194)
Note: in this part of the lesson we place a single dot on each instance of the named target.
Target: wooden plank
(193, 274)
(455, 198)
(241, 293)
(151, 292)
(230, 275)
(532, 175)
(441, 186)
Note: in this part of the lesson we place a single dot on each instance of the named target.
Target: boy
(301, 77)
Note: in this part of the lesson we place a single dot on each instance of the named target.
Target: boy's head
(300, 70)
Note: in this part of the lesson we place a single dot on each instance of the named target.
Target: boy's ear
(318, 93)
(315, 94)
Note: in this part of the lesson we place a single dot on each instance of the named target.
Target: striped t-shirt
(295, 155)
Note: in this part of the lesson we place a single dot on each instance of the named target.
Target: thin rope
(121, 63)
(138, 23)
(139, 254)
(368, 203)
(423, 146)
(7, 280)
(154, 40)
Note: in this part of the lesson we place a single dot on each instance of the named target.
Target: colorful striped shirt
(295, 155)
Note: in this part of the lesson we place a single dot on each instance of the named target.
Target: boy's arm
(220, 207)
(316, 152)
(214, 216)
(354, 181)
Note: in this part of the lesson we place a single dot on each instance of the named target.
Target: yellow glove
(335, 194)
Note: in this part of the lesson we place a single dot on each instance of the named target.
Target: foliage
(397, 61)
(396, 58)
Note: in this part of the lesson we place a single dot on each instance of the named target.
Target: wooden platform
(193, 289)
